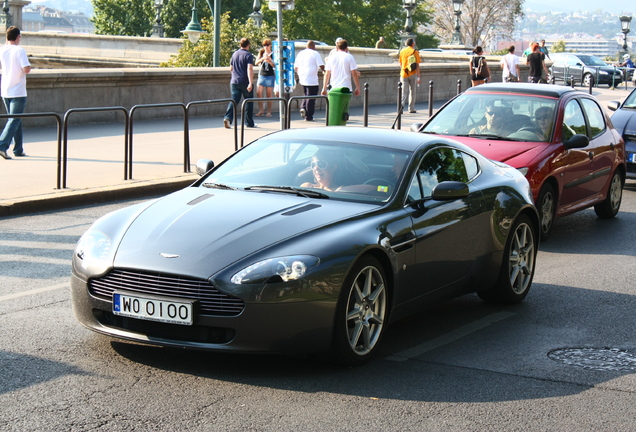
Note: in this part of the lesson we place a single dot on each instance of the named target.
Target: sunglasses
(320, 164)
(543, 117)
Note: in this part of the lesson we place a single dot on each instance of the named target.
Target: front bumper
(293, 327)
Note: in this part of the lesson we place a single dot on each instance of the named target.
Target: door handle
(590, 155)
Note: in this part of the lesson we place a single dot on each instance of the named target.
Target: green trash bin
(339, 98)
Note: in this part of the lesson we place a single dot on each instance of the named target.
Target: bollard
(399, 107)
(459, 86)
(590, 84)
(365, 105)
(430, 99)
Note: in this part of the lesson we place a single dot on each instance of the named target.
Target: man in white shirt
(510, 65)
(308, 63)
(341, 68)
(15, 67)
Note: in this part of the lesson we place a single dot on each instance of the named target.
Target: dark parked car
(583, 69)
(308, 241)
(559, 137)
(624, 120)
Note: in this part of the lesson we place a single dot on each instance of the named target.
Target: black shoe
(23, 154)
(309, 120)
(4, 154)
(412, 112)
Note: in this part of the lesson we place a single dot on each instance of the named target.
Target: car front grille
(211, 300)
(174, 332)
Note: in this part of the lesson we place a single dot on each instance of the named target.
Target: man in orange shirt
(409, 74)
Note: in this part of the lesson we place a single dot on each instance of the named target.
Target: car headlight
(604, 72)
(93, 248)
(280, 269)
(523, 170)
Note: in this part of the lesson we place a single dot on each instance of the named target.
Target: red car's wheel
(546, 205)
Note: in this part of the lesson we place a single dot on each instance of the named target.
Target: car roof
(377, 137)
(549, 90)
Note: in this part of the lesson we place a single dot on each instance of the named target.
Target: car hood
(624, 120)
(198, 231)
(516, 154)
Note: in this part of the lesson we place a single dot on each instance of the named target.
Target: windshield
(312, 169)
(591, 60)
(630, 102)
(510, 117)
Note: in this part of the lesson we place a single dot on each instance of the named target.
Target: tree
(478, 18)
(123, 17)
(558, 47)
(360, 22)
(232, 31)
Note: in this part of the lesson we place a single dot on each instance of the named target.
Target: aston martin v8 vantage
(309, 240)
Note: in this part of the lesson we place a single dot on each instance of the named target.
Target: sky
(617, 7)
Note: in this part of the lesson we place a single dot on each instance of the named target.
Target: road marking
(451, 337)
(33, 292)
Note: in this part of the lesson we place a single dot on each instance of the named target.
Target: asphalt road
(563, 360)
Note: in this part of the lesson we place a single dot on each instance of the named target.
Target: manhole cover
(601, 359)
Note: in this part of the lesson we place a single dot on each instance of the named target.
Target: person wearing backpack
(409, 74)
(479, 70)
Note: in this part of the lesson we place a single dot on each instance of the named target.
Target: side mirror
(577, 141)
(449, 190)
(416, 127)
(203, 166)
(613, 105)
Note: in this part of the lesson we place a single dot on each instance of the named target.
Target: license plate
(631, 157)
(153, 308)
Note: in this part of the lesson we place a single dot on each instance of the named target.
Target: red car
(559, 137)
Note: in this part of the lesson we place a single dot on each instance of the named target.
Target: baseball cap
(626, 56)
(338, 39)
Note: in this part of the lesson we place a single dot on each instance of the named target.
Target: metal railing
(64, 156)
(58, 119)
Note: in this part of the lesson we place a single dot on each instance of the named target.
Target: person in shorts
(266, 77)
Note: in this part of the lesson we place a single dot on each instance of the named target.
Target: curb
(76, 198)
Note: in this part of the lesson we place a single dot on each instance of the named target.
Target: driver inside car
(494, 122)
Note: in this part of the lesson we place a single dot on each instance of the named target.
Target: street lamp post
(407, 32)
(196, 28)
(257, 15)
(157, 28)
(5, 17)
(457, 9)
(625, 23)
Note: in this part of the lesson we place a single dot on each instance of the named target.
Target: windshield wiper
(490, 136)
(219, 186)
(307, 193)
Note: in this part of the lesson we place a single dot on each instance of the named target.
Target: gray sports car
(309, 240)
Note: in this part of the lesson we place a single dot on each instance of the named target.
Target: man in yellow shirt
(409, 74)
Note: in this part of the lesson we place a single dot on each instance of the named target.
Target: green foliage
(123, 17)
(501, 52)
(201, 53)
(558, 47)
(360, 22)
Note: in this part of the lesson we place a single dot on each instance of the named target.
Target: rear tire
(612, 203)
(546, 205)
(361, 314)
(518, 264)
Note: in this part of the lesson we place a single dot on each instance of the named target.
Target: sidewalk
(95, 170)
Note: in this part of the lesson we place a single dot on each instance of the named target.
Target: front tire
(518, 264)
(546, 204)
(588, 80)
(361, 313)
(612, 203)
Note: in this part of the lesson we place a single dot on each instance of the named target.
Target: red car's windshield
(513, 117)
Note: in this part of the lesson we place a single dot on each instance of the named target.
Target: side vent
(301, 209)
(201, 198)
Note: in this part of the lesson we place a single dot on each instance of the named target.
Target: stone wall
(58, 90)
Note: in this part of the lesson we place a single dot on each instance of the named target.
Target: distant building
(32, 21)
(594, 46)
(45, 19)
